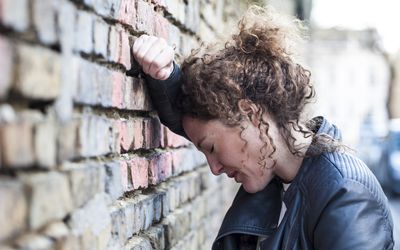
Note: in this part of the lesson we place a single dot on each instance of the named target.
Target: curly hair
(255, 64)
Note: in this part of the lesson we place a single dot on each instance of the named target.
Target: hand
(155, 56)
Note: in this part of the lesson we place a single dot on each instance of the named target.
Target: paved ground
(395, 207)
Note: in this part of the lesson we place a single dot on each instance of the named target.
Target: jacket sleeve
(354, 219)
(164, 95)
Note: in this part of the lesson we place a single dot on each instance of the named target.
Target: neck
(288, 164)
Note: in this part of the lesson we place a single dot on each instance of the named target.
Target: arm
(163, 77)
(163, 95)
(354, 219)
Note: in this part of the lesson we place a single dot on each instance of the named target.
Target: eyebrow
(200, 142)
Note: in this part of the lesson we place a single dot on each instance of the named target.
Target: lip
(232, 175)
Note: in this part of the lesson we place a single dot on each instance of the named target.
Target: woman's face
(232, 151)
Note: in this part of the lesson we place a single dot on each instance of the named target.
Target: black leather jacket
(334, 202)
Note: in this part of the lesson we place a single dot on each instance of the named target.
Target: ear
(249, 109)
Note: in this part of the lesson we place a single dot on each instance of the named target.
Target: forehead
(196, 128)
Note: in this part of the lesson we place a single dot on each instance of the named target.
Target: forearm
(164, 94)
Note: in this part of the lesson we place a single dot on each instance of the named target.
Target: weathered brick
(45, 144)
(86, 180)
(161, 26)
(6, 66)
(139, 170)
(101, 30)
(177, 9)
(66, 30)
(174, 37)
(130, 132)
(13, 208)
(64, 105)
(160, 3)
(192, 17)
(34, 241)
(156, 236)
(160, 167)
(176, 226)
(114, 44)
(152, 133)
(7, 114)
(67, 140)
(124, 56)
(92, 223)
(94, 136)
(16, 144)
(38, 72)
(113, 183)
(136, 96)
(126, 184)
(84, 32)
(103, 7)
(49, 197)
(44, 20)
(205, 32)
(15, 14)
(126, 12)
(145, 17)
(56, 230)
(186, 159)
(138, 243)
(173, 140)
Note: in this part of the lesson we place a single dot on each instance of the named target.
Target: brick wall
(84, 160)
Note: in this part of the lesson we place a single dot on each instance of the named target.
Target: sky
(384, 15)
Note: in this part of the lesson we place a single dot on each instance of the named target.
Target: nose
(215, 166)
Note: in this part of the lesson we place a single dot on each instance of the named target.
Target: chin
(251, 188)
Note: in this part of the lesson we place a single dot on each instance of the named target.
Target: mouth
(233, 174)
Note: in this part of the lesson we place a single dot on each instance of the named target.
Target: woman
(242, 105)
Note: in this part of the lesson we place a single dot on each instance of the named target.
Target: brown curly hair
(255, 64)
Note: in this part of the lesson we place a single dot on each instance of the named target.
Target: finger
(158, 47)
(162, 60)
(138, 42)
(147, 44)
(165, 72)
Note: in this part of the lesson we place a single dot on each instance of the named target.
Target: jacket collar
(255, 214)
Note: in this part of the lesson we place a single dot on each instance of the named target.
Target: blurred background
(353, 52)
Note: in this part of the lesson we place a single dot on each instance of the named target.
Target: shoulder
(333, 173)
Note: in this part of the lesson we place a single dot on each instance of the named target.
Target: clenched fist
(154, 55)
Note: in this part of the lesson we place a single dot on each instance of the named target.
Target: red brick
(161, 26)
(126, 13)
(117, 92)
(160, 167)
(6, 65)
(16, 144)
(139, 167)
(173, 140)
(126, 132)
